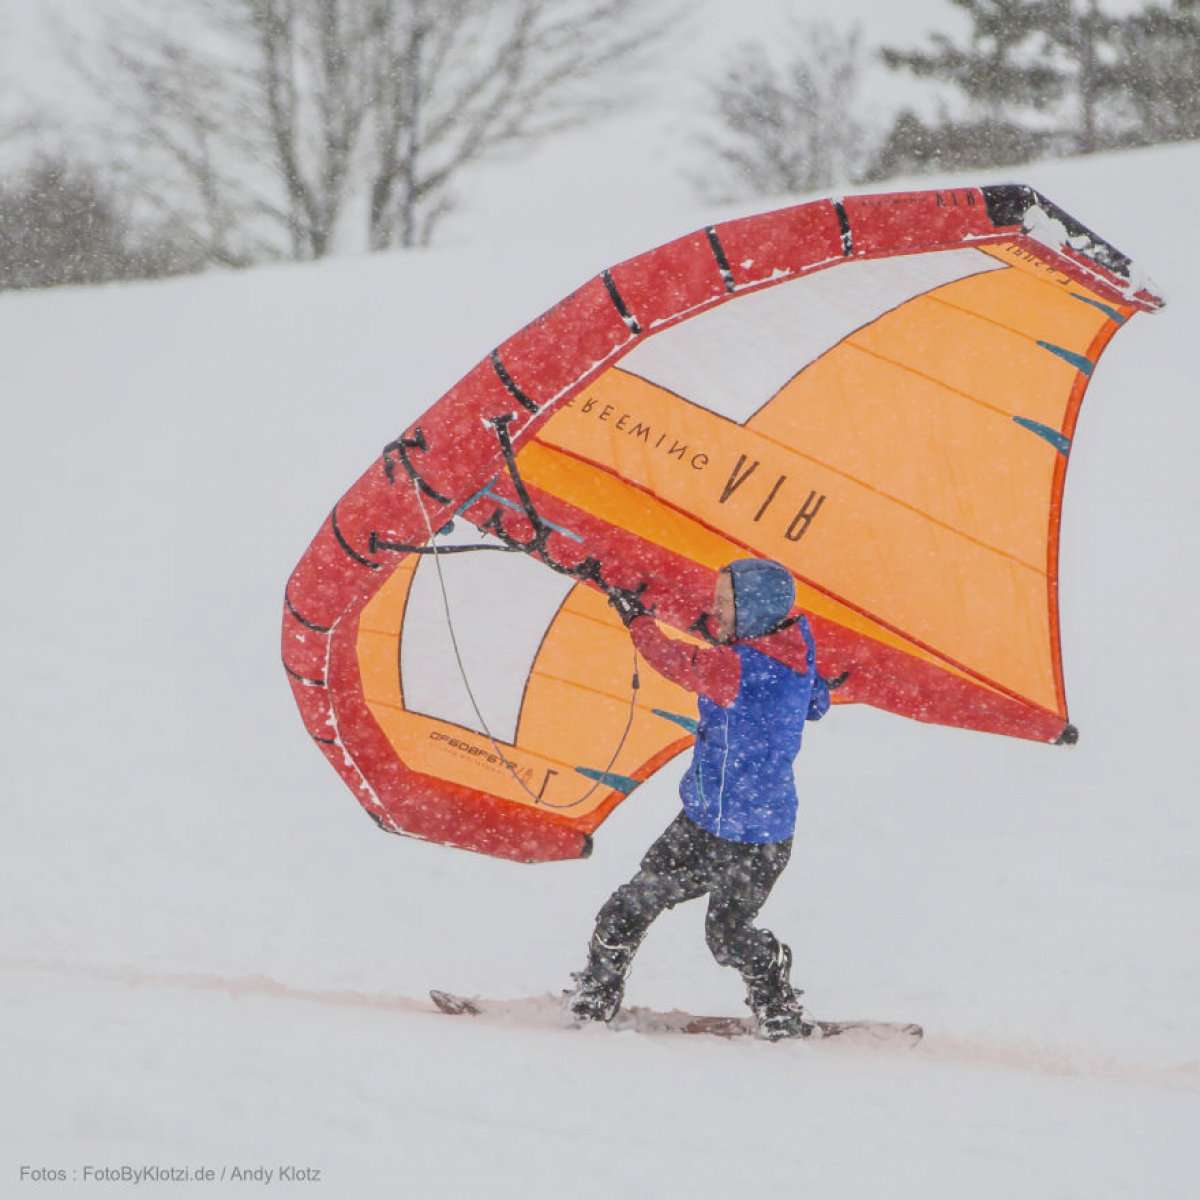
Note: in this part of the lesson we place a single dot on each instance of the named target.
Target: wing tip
(1018, 205)
(1068, 737)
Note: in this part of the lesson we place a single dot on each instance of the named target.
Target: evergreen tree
(998, 70)
(1159, 66)
(785, 123)
(1083, 44)
(914, 148)
(1040, 77)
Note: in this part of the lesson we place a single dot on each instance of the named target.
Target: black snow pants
(687, 862)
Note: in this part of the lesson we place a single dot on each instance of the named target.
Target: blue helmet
(763, 594)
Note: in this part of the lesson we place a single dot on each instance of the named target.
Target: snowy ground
(211, 959)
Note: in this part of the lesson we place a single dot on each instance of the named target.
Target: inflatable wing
(879, 392)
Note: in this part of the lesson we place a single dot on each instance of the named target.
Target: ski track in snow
(978, 1050)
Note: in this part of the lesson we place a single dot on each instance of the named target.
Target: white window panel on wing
(492, 644)
(735, 358)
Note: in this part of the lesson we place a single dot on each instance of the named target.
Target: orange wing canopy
(879, 392)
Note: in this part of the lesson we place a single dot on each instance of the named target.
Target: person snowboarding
(733, 838)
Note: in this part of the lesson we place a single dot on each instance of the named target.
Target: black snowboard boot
(600, 986)
(775, 1003)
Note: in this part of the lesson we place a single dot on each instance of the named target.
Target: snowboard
(550, 1009)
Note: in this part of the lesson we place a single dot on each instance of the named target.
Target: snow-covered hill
(212, 959)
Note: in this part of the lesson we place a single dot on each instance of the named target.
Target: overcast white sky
(708, 27)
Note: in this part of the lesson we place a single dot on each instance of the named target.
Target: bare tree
(789, 128)
(278, 119)
(18, 121)
(462, 79)
(177, 124)
(314, 91)
(18, 126)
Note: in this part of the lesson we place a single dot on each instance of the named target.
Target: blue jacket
(741, 785)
